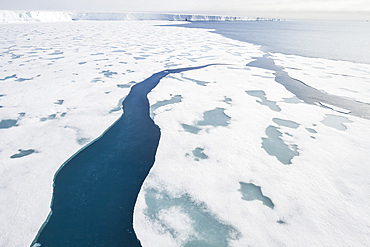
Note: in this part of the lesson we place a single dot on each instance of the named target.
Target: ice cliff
(150, 16)
(14, 16)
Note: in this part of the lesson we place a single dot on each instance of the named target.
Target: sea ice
(307, 196)
(334, 77)
(62, 59)
(320, 199)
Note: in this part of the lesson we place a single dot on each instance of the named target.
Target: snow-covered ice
(213, 183)
(342, 78)
(76, 72)
(316, 181)
(16, 16)
(157, 16)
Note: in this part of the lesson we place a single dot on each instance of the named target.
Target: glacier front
(16, 16)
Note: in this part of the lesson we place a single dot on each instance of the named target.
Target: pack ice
(241, 160)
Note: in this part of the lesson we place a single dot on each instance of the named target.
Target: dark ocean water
(95, 191)
(337, 40)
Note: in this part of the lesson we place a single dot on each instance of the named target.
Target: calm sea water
(95, 191)
(338, 40)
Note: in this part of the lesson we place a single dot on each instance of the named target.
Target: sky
(290, 9)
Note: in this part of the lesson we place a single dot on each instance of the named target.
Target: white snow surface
(321, 199)
(15, 16)
(63, 83)
(154, 16)
(341, 78)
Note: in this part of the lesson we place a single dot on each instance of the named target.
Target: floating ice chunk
(336, 122)
(215, 117)
(252, 192)
(275, 146)
(286, 123)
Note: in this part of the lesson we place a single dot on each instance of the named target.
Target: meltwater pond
(95, 191)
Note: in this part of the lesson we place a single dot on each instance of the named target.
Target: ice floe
(59, 110)
(213, 183)
(233, 169)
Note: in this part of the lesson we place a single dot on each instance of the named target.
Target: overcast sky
(302, 9)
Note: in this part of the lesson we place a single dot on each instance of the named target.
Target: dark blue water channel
(95, 191)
